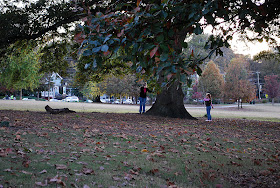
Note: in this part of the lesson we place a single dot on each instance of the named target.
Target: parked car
(127, 101)
(72, 99)
(28, 99)
(55, 100)
(88, 101)
(117, 101)
(104, 100)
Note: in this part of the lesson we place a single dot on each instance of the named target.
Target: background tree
(196, 44)
(53, 60)
(212, 81)
(21, 68)
(272, 86)
(236, 84)
(120, 86)
(91, 91)
(267, 63)
(196, 94)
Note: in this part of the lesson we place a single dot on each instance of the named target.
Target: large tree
(237, 85)
(272, 86)
(151, 31)
(267, 63)
(20, 68)
(153, 34)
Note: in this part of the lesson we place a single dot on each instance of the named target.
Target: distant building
(57, 87)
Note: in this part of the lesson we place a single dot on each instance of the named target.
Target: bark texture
(169, 103)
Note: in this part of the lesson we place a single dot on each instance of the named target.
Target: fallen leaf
(18, 137)
(87, 171)
(25, 172)
(144, 151)
(26, 163)
(116, 178)
(265, 172)
(42, 184)
(154, 171)
(60, 167)
(43, 172)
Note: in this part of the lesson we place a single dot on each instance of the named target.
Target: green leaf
(87, 53)
(94, 63)
(139, 69)
(173, 69)
(163, 57)
(170, 33)
(192, 14)
(96, 43)
(164, 14)
(164, 48)
(87, 65)
(97, 49)
(107, 38)
(104, 48)
(189, 82)
(160, 38)
(198, 29)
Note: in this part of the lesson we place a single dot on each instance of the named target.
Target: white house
(56, 83)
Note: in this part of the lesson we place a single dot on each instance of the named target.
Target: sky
(248, 48)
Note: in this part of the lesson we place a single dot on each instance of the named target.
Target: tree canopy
(272, 86)
(237, 86)
(20, 70)
(211, 80)
(153, 32)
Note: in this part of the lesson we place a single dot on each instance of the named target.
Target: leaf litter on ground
(115, 150)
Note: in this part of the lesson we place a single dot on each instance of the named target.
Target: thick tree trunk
(169, 103)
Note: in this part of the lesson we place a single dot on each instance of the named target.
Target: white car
(128, 101)
(54, 100)
(72, 99)
(104, 100)
(117, 101)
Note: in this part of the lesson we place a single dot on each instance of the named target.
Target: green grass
(202, 158)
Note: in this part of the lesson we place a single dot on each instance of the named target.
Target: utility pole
(259, 87)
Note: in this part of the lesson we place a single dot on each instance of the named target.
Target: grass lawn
(264, 112)
(132, 150)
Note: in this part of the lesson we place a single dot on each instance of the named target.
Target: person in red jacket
(143, 98)
(209, 105)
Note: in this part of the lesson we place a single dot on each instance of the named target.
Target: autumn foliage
(272, 86)
(211, 80)
(237, 85)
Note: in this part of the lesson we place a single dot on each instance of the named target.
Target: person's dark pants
(208, 109)
(142, 104)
